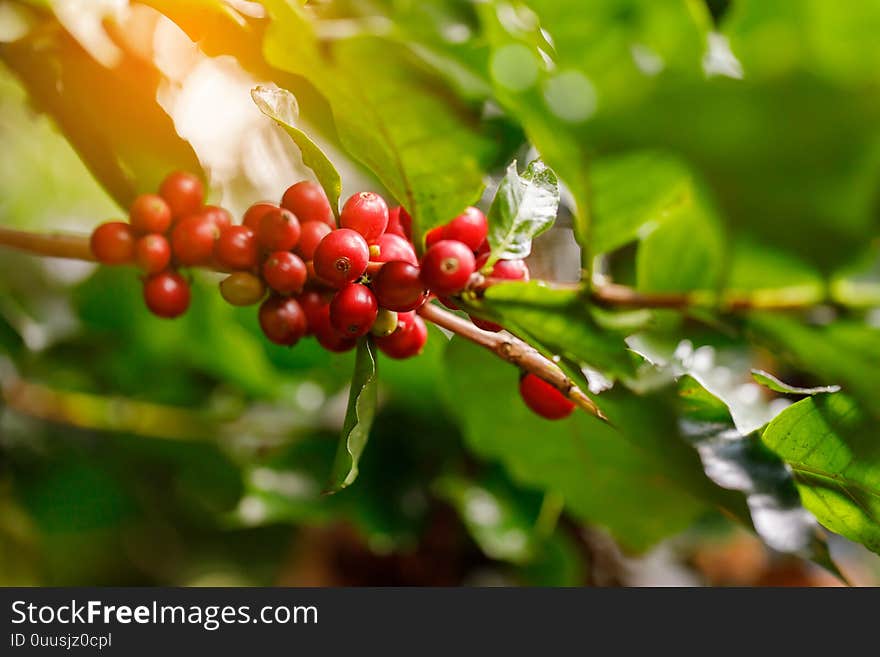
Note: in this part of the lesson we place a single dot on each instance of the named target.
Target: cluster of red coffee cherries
(309, 276)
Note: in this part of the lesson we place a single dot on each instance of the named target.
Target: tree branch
(791, 298)
(513, 350)
(54, 245)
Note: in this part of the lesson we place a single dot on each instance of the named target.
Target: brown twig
(513, 350)
(54, 245)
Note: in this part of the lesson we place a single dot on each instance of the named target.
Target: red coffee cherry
(447, 266)
(256, 212)
(314, 305)
(112, 243)
(341, 257)
(394, 247)
(312, 232)
(353, 310)
(435, 235)
(237, 249)
(484, 249)
(279, 230)
(408, 340)
(282, 320)
(470, 227)
(399, 222)
(327, 336)
(152, 253)
(149, 213)
(512, 270)
(242, 288)
(167, 294)
(367, 213)
(543, 398)
(192, 240)
(285, 272)
(307, 200)
(399, 287)
(183, 192)
(221, 217)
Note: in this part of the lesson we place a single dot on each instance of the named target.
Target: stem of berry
(514, 351)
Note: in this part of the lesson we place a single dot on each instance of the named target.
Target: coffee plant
(599, 263)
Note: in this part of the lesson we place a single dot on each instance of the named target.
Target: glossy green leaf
(831, 447)
(280, 106)
(359, 416)
(770, 381)
(742, 463)
(525, 206)
(392, 114)
(562, 321)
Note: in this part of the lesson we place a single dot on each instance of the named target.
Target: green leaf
(742, 463)
(524, 207)
(685, 252)
(632, 192)
(358, 418)
(399, 119)
(845, 351)
(831, 447)
(604, 478)
(770, 381)
(280, 106)
(561, 320)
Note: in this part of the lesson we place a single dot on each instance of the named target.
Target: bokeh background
(136, 451)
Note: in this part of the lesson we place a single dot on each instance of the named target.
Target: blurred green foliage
(704, 148)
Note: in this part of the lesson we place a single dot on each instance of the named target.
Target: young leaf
(524, 207)
(358, 418)
(770, 381)
(832, 449)
(280, 106)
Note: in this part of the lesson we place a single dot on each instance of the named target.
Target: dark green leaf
(603, 477)
(358, 418)
(831, 447)
(280, 105)
(524, 207)
(561, 320)
(770, 381)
